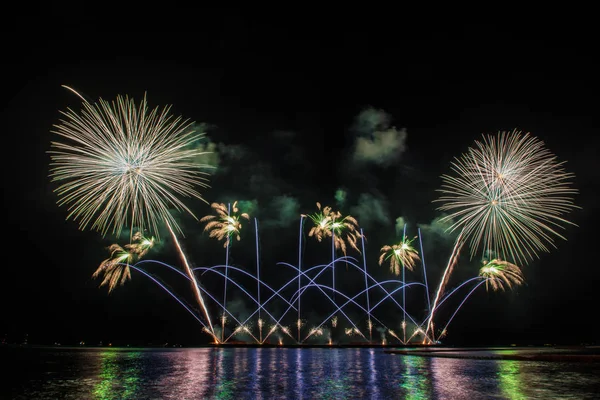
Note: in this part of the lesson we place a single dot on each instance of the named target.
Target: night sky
(285, 102)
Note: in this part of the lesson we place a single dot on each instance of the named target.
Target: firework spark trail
(424, 271)
(299, 268)
(260, 325)
(195, 287)
(364, 257)
(445, 277)
(241, 324)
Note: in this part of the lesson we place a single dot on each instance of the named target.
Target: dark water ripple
(279, 373)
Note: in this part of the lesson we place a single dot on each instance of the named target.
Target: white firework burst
(125, 165)
(508, 194)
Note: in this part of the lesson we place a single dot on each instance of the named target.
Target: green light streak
(416, 382)
(119, 375)
(509, 379)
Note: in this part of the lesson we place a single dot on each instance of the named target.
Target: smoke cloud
(283, 212)
(371, 211)
(377, 142)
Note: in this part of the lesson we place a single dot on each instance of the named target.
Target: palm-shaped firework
(500, 274)
(116, 267)
(400, 255)
(328, 223)
(322, 223)
(225, 224)
(347, 226)
(331, 224)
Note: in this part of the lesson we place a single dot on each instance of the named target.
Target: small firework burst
(399, 255)
(500, 275)
(226, 224)
(328, 223)
(316, 332)
(116, 268)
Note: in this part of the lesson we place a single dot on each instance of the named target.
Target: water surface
(282, 373)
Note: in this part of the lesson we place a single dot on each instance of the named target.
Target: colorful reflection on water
(509, 376)
(416, 382)
(280, 373)
(119, 375)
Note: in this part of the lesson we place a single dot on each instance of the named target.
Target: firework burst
(322, 222)
(125, 165)
(399, 255)
(328, 223)
(116, 268)
(508, 195)
(500, 275)
(225, 224)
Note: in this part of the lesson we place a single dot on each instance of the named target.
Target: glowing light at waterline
(243, 326)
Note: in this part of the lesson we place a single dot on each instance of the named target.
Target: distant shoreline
(532, 352)
(554, 353)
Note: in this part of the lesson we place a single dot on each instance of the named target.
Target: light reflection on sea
(282, 373)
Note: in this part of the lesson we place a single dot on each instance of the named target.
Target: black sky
(256, 77)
